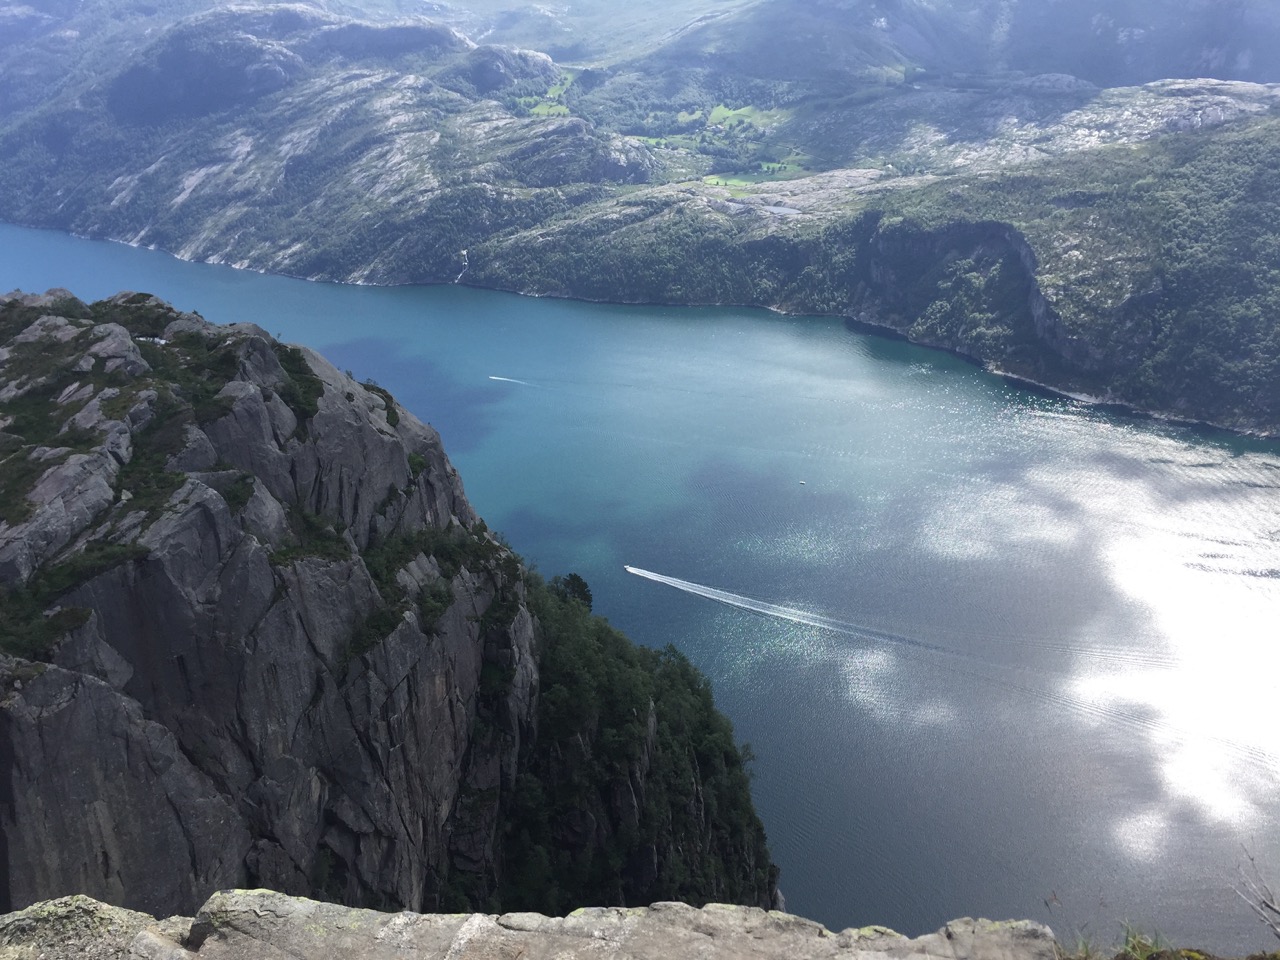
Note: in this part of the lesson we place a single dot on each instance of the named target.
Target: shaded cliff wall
(244, 700)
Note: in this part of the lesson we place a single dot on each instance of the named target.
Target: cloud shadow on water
(462, 414)
(1043, 786)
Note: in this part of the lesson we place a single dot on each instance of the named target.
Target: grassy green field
(768, 173)
(730, 117)
(551, 103)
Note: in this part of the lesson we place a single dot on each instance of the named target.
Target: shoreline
(855, 324)
(1112, 404)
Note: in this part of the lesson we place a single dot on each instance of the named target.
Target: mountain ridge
(405, 152)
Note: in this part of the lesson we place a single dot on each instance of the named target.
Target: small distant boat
(802, 483)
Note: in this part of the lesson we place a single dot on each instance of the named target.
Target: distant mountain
(1106, 43)
(1119, 42)
(665, 166)
(235, 133)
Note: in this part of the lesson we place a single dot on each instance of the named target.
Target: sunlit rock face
(250, 924)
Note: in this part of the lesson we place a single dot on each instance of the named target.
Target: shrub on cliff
(635, 791)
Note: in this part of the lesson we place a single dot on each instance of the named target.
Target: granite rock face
(182, 836)
(253, 634)
(223, 681)
(262, 925)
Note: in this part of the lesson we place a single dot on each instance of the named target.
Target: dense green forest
(635, 790)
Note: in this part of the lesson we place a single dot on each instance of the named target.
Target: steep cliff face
(253, 633)
(633, 786)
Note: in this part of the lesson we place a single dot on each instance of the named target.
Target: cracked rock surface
(210, 687)
(263, 925)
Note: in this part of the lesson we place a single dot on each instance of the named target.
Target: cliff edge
(253, 634)
(262, 925)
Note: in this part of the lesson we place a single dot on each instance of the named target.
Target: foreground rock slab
(262, 925)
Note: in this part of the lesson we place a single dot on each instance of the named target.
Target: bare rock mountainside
(253, 634)
(1096, 212)
(240, 925)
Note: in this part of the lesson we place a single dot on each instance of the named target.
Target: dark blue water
(996, 654)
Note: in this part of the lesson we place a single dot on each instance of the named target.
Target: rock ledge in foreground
(262, 925)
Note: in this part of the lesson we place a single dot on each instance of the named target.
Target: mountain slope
(1144, 274)
(729, 165)
(1104, 42)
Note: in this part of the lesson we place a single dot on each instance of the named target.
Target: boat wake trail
(780, 612)
(523, 383)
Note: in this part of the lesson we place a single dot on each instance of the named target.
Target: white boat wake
(523, 383)
(780, 612)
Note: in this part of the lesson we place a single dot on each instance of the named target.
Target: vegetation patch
(141, 314)
(504, 606)
(598, 690)
(45, 359)
(452, 549)
(26, 632)
(433, 601)
(749, 115)
(37, 418)
(145, 477)
(315, 536)
(35, 422)
(376, 628)
(546, 109)
(198, 368)
(16, 316)
(302, 389)
(239, 493)
(25, 629)
(393, 412)
(95, 559)
(18, 477)
(389, 557)
(763, 173)
(549, 104)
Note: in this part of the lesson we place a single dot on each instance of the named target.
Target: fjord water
(997, 654)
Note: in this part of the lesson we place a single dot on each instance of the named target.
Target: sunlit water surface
(997, 654)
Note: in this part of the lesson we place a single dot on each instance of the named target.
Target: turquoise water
(997, 654)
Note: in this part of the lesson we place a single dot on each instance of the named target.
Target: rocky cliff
(261, 924)
(252, 633)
